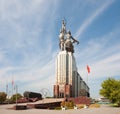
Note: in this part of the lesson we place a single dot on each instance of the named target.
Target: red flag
(88, 69)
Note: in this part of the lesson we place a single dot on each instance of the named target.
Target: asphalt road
(104, 109)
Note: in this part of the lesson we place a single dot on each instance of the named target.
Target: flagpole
(86, 84)
(16, 93)
(87, 78)
(12, 90)
(88, 71)
(12, 87)
(7, 89)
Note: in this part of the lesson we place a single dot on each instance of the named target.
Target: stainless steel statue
(66, 40)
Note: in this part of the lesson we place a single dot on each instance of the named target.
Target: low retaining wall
(45, 105)
(80, 100)
(20, 107)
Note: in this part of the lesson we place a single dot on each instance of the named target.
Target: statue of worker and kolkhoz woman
(66, 40)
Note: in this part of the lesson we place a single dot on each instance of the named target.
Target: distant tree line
(3, 96)
(12, 99)
(27, 95)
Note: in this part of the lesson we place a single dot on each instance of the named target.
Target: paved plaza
(104, 109)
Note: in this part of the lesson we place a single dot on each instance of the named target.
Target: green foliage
(111, 90)
(13, 98)
(114, 105)
(58, 108)
(3, 96)
(67, 103)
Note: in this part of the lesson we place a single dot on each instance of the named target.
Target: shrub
(94, 106)
(80, 105)
(67, 103)
(58, 108)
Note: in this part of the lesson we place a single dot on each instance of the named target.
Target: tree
(3, 96)
(13, 98)
(111, 90)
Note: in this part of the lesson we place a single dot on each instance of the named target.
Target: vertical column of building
(78, 84)
(74, 76)
(56, 91)
(61, 68)
(66, 67)
(57, 69)
(62, 78)
(64, 81)
(56, 87)
(70, 68)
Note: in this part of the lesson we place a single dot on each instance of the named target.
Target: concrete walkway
(104, 109)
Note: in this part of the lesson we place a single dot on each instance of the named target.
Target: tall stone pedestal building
(68, 81)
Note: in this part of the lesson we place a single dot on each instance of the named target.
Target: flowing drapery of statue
(66, 40)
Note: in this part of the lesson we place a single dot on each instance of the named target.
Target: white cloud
(24, 21)
(12, 9)
(34, 77)
(28, 54)
(92, 17)
(25, 29)
(102, 55)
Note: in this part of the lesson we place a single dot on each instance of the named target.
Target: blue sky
(29, 44)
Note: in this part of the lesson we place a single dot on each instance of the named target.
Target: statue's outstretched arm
(74, 40)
